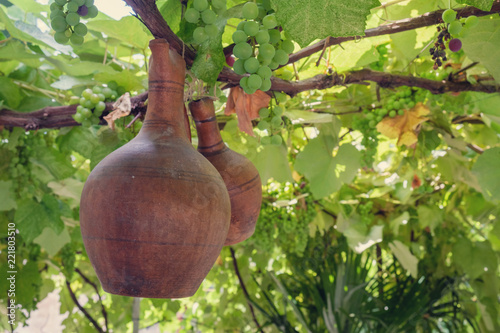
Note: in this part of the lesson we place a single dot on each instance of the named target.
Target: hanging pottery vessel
(155, 213)
(240, 175)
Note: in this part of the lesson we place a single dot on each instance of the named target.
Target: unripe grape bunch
(65, 18)
(93, 103)
(271, 121)
(259, 47)
(204, 14)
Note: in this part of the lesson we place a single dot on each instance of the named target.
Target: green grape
(471, 21)
(392, 114)
(274, 36)
(121, 90)
(396, 104)
(192, 15)
(454, 28)
(61, 2)
(86, 123)
(112, 85)
(58, 23)
(72, 6)
(79, 2)
(244, 82)
(269, 21)
(379, 118)
(278, 110)
(219, 4)
(56, 12)
(239, 36)
(97, 90)
(372, 123)
(60, 37)
(254, 81)
(266, 140)
(86, 113)
(82, 100)
(93, 11)
(199, 35)
(55, 6)
(106, 92)
(264, 112)
(273, 65)
(80, 29)
(449, 16)
(262, 37)
(276, 121)
(262, 13)
(211, 30)
(242, 50)
(264, 61)
(251, 28)
(95, 120)
(241, 25)
(72, 19)
(208, 16)
(89, 3)
(263, 125)
(101, 106)
(265, 72)
(287, 46)
(266, 85)
(276, 140)
(79, 109)
(68, 33)
(239, 67)
(251, 65)
(74, 100)
(78, 117)
(281, 57)
(94, 98)
(267, 51)
(200, 5)
(101, 97)
(401, 112)
(88, 104)
(250, 11)
(382, 112)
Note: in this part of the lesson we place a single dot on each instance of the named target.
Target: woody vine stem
(148, 13)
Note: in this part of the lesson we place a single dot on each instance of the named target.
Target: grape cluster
(259, 47)
(65, 19)
(451, 33)
(285, 226)
(19, 170)
(93, 103)
(272, 122)
(201, 13)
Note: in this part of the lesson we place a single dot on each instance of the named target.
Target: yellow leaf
(405, 128)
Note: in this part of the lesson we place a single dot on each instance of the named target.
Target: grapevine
(65, 18)
(204, 14)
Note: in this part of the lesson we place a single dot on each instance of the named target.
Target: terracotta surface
(155, 213)
(240, 175)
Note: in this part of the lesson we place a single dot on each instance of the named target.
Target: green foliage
(356, 233)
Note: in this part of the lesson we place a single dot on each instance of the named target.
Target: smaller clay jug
(239, 174)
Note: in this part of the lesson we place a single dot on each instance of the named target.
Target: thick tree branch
(425, 20)
(86, 314)
(154, 21)
(60, 116)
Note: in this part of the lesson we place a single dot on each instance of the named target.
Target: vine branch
(82, 309)
(243, 287)
(103, 309)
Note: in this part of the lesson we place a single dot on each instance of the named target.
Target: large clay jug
(155, 213)
(240, 175)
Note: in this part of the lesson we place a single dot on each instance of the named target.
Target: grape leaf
(307, 20)
(6, 195)
(358, 235)
(128, 30)
(51, 241)
(326, 172)
(429, 216)
(56, 163)
(405, 257)
(474, 258)
(483, 44)
(404, 127)
(10, 92)
(481, 4)
(486, 170)
(210, 58)
(272, 162)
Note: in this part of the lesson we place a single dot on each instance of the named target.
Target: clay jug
(240, 175)
(155, 213)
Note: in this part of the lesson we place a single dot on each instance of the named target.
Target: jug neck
(209, 138)
(165, 111)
